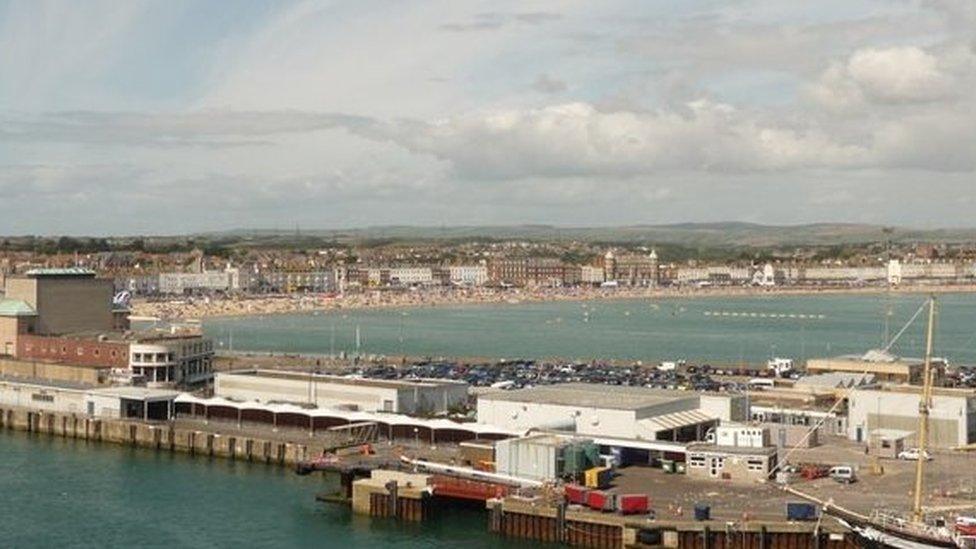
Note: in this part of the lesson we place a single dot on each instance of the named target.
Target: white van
(670, 366)
(843, 473)
(761, 383)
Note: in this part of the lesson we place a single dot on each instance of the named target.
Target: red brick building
(75, 351)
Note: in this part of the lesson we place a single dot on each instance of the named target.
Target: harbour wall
(158, 436)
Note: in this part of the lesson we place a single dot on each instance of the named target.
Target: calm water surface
(648, 329)
(65, 493)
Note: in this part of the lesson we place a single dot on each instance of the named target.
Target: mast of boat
(924, 406)
(332, 340)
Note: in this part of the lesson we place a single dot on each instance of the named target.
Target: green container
(575, 461)
(592, 451)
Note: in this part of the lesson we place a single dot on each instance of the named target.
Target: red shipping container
(599, 501)
(634, 504)
(575, 494)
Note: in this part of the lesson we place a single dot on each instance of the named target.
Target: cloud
(547, 84)
(891, 75)
(494, 21)
(217, 128)
(573, 139)
(333, 113)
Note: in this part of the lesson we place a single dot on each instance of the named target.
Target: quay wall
(555, 523)
(159, 436)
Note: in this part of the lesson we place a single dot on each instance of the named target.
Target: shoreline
(185, 310)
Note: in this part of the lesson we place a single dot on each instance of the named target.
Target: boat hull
(875, 537)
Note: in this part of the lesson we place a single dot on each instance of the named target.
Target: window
(80, 351)
(696, 461)
(42, 397)
(755, 465)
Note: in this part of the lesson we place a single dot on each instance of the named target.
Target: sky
(177, 116)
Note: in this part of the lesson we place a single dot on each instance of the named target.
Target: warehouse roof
(137, 393)
(66, 271)
(676, 420)
(591, 395)
(834, 380)
(305, 377)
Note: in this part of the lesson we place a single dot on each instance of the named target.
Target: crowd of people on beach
(212, 306)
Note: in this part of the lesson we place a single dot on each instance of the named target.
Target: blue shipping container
(801, 511)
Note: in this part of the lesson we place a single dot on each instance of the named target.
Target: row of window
(700, 462)
(152, 357)
(53, 350)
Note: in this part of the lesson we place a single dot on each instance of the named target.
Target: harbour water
(71, 493)
(719, 329)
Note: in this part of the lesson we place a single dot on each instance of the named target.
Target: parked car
(912, 454)
(843, 473)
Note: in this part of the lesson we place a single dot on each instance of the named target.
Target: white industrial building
(325, 391)
(952, 417)
(625, 413)
(107, 402)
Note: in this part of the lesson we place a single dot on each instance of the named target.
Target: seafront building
(64, 326)
(187, 283)
(468, 275)
(631, 269)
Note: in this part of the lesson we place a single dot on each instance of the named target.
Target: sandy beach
(198, 308)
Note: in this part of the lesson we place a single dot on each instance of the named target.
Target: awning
(351, 416)
(674, 420)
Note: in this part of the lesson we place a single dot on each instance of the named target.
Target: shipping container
(633, 504)
(574, 460)
(592, 455)
(801, 511)
(598, 477)
(600, 501)
(526, 458)
(575, 494)
(543, 457)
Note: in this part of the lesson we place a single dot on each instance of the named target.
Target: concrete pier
(403, 496)
(159, 436)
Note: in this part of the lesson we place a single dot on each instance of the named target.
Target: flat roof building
(884, 366)
(328, 391)
(952, 417)
(55, 302)
(637, 413)
(69, 398)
